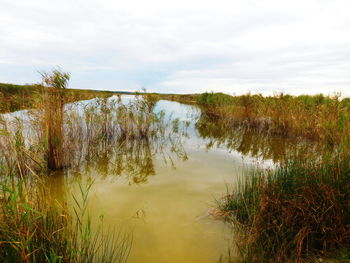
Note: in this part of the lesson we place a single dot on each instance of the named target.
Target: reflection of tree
(251, 143)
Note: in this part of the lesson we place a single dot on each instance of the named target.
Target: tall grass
(298, 211)
(34, 229)
(55, 136)
(54, 84)
(102, 130)
(220, 133)
(111, 126)
(318, 117)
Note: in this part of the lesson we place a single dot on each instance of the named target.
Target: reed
(298, 211)
(87, 132)
(294, 213)
(53, 86)
(33, 229)
(57, 135)
(321, 118)
(220, 133)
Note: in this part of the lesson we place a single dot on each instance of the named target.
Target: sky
(180, 46)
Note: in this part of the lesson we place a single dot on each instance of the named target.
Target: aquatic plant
(296, 212)
(318, 117)
(220, 133)
(35, 229)
(53, 85)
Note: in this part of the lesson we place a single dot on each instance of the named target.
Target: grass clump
(54, 84)
(35, 229)
(318, 117)
(214, 99)
(296, 212)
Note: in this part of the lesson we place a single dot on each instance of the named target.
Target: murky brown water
(163, 193)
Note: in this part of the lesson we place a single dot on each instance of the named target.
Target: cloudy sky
(180, 46)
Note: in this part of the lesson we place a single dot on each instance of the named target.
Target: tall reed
(54, 84)
(34, 229)
(296, 212)
(318, 117)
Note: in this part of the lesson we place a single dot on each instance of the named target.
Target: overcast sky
(180, 46)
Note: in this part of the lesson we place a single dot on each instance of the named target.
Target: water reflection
(219, 133)
(133, 159)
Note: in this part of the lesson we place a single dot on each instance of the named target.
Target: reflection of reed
(252, 143)
(133, 159)
(122, 139)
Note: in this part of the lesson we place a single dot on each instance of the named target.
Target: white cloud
(181, 46)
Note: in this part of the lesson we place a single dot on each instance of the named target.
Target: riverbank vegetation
(33, 229)
(314, 117)
(59, 136)
(298, 211)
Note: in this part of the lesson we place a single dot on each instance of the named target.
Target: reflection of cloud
(181, 46)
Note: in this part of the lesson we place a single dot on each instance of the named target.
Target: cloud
(180, 46)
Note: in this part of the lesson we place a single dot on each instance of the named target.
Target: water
(167, 206)
(163, 192)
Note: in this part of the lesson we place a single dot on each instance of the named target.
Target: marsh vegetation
(55, 136)
(299, 210)
(289, 200)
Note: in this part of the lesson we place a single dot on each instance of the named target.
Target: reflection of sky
(176, 110)
(197, 144)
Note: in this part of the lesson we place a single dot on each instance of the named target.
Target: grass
(293, 213)
(260, 145)
(296, 212)
(54, 135)
(81, 134)
(182, 98)
(33, 229)
(13, 97)
(300, 210)
(318, 117)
